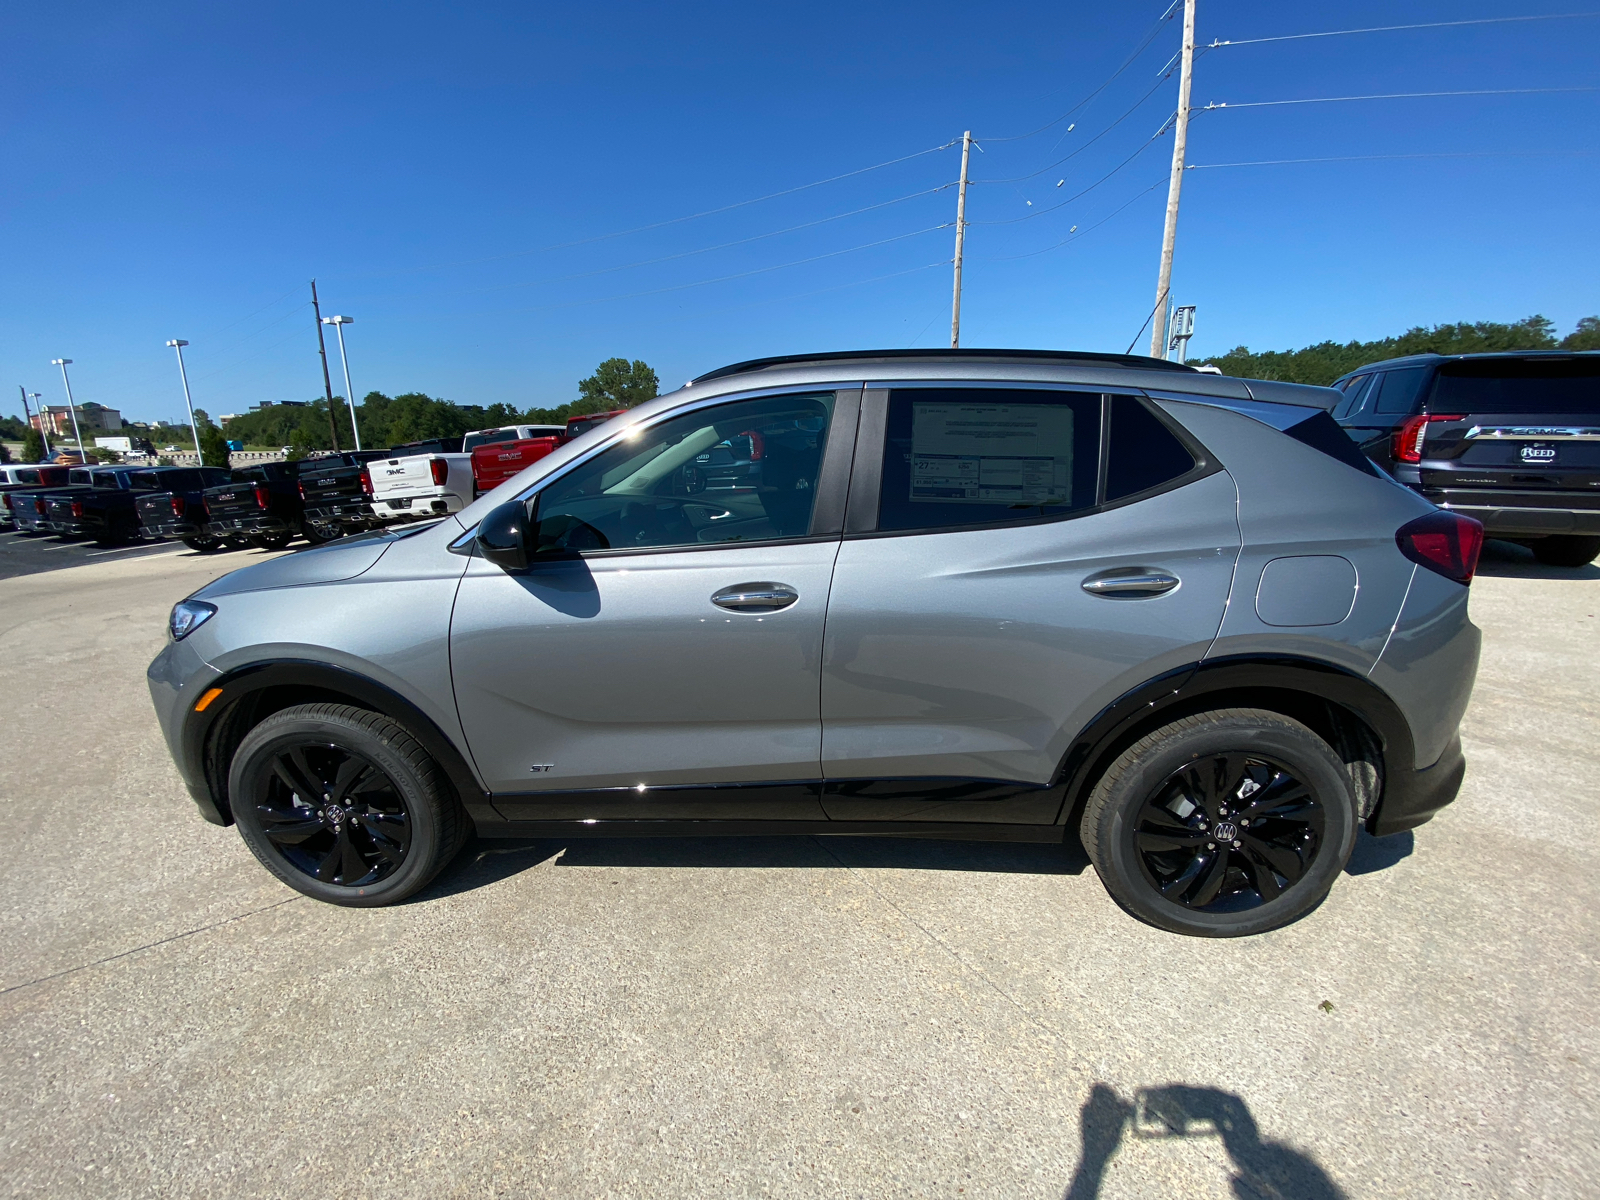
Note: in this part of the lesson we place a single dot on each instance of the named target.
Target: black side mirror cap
(505, 536)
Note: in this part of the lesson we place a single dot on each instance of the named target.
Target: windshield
(1565, 386)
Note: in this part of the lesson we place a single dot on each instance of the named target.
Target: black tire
(276, 540)
(314, 534)
(1566, 551)
(236, 543)
(394, 818)
(121, 533)
(203, 545)
(1147, 824)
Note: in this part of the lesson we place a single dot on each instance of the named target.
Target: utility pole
(43, 436)
(1180, 140)
(28, 413)
(961, 237)
(327, 381)
(72, 409)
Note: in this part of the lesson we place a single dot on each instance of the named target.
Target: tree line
(1326, 361)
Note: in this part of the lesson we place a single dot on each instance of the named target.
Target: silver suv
(967, 594)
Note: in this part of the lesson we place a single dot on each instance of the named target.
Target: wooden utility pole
(961, 237)
(1180, 140)
(327, 381)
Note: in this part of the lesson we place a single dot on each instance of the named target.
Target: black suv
(1511, 439)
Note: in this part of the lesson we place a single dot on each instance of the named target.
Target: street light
(178, 344)
(42, 435)
(72, 408)
(338, 324)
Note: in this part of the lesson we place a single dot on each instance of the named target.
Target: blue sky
(450, 175)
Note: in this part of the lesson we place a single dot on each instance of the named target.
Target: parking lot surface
(806, 1017)
(29, 553)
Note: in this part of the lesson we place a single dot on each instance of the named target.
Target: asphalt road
(782, 1017)
(31, 553)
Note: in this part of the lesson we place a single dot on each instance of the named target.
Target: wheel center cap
(334, 813)
(1225, 831)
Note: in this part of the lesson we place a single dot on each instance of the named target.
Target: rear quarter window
(1400, 392)
(1142, 453)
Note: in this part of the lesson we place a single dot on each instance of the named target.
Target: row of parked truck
(270, 504)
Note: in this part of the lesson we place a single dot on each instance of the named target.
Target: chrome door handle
(1130, 583)
(755, 597)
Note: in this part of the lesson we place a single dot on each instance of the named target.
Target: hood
(344, 559)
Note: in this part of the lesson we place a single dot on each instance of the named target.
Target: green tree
(616, 383)
(213, 445)
(5, 453)
(32, 446)
(1585, 337)
(299, 445)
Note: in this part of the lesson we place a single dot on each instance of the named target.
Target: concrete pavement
(781, 1017)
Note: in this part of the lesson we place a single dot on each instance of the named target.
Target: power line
(710, 212)
(1126, 63)
(1139, 103)
(1293, 37)
(1083, 233)
(1398, 96)
(1039, 212)
(1278, 162)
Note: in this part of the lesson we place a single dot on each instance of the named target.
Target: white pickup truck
(421, 479)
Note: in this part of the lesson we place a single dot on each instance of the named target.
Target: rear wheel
(275, 540)
(122, 531)
(344, 805)
(203, 545)
(236, 543)
(1222, 824)
(1566, 551)
(315, 535)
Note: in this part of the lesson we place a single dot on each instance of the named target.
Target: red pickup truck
(496, 462)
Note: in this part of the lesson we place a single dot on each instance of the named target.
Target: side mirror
(505, 536)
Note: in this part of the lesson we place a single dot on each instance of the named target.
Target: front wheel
(1222, 824)
(344, 805)
(1566, 551)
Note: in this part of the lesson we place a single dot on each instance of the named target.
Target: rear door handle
(1130, 583)
(755, 597)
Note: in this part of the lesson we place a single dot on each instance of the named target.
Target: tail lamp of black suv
(1408, 439)
(1443, 541)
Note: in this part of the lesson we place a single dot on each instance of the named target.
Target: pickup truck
(30, 506)
(171, 504)
(336, 492)
(18, 478)
(61, 510)
(421, 480)
(260, 506)
(107, 510)
(510, 433)
(578, 426)
(103, 509)
(496, 462)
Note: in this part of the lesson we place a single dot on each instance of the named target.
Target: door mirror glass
(504, 537)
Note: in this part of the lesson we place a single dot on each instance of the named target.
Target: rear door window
(964, 457)
(1401, 391)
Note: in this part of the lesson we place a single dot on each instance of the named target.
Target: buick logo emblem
(1226, 831)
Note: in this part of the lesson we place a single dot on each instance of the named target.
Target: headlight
(187, 616)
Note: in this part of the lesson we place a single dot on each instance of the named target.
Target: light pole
(72, 409)
(178, 344)
(338, 324)
(27, 413)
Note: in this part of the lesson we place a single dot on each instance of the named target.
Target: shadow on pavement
(485, 861)
(1507, 560)
(1262, 1169)
(1379, 854)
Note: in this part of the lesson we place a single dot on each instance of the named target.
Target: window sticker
(991, 453)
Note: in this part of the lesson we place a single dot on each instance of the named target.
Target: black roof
(1430, 356)
(1061, 356)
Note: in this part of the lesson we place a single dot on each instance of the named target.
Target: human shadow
(1507, 560)
(1263, 1170)
(1379, 853)
(485, 862)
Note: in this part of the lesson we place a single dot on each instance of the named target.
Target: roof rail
(1135, 361)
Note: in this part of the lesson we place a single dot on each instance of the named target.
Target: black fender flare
(1196, 685)
(247, 685)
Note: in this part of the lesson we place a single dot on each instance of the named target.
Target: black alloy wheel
(344, 804)
(1222, 824)
(334, 815)
(1228, 833)
(276, 540)
(203, 545)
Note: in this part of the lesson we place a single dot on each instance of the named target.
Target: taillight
(303, 495)
(8, 501)
(38, 507)
(1408, 439)
(441, 471)
(1443, 541)
(262, 497)
(177, 506)
(77, 508)
(366, 482)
